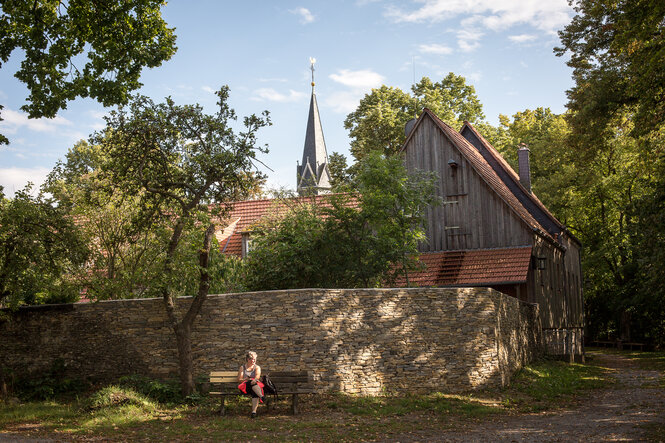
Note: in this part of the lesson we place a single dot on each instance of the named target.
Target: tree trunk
(183, 329)
(183, 336)
(624, 326)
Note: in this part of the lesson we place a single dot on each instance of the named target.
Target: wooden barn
(491, 230)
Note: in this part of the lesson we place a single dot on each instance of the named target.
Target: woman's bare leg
(255, 404)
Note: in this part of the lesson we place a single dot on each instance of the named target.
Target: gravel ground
(623, 412)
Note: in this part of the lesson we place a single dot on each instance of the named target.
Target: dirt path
(620, 413)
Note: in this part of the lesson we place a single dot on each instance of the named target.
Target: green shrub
(49, 384)
(114, 396)
(158, 390)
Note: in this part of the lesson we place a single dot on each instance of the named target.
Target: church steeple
(313, 173)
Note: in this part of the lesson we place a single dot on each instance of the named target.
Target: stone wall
(357, 341)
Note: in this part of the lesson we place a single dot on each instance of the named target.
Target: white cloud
(497, 15)
(305, 15)
(435, 49)
(270, 94)
(13, 121)
(522, 38)
(208, 89)
(358, 83)
(468, 40)
(363, 79)
(344, 102)
(15, 179)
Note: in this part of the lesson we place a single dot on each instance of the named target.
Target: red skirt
(246, 388)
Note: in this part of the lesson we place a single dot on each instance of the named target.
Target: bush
(115, 396)
(45, 386)
(161, 391)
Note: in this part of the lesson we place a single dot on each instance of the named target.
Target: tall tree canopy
(118, 37)
(617, 53)
(378, 122)
(40, 248)
(617, 118)
(183, 166)
(360, 238)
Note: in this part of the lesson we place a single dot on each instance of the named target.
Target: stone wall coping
(72, 306)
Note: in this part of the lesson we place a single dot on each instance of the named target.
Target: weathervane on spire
(312, 60)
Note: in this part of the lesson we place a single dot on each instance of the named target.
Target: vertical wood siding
(472, 216)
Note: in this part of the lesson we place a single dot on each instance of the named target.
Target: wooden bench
(631, 346)
(619, 344)
(225, 383)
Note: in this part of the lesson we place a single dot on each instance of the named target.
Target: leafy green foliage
(340, 175)
(118, 38)
(182, 166)
(116, 396)
(166, 392)
(379, 121)
(355, 239)
(47, 385)
(553, 172)
(617, 52)
(40, 246)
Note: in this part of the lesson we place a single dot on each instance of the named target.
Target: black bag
(268, 385)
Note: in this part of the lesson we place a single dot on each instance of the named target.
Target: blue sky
(261, 49)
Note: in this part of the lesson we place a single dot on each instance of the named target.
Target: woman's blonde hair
(250, 354)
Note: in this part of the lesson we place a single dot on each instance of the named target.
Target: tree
(552, 164)
(379, 121)
(340, 174)
(618, 114)
(40, 246)
(184, 166)
(618, 58)
(119, 38)
(124, 261)
(360, 238)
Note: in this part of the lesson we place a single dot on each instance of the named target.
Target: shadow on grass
(120, 416)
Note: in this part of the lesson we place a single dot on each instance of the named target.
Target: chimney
(524, 167)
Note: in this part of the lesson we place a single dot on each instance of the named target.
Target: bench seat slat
(287, 383)
(224, 373)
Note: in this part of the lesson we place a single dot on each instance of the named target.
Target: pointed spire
(313, 173)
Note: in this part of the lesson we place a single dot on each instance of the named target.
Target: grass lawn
(121, 414)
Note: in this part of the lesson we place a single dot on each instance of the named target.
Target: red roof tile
(245, 214)
(476, 267)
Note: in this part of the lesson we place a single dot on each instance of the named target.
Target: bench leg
(294, 404)
(222, 410)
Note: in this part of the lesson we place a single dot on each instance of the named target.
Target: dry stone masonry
(360, 341)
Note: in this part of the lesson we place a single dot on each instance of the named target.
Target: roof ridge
(511, 172)
(488, 174)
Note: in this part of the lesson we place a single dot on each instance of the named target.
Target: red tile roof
(475, 267)
(245, 214)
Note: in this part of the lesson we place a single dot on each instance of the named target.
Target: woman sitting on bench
(249, 375)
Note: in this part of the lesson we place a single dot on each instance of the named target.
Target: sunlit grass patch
(40, 412)
(542, 385)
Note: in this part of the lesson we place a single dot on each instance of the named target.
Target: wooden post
(294, 404)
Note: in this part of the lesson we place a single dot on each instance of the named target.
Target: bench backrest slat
(284, 380)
